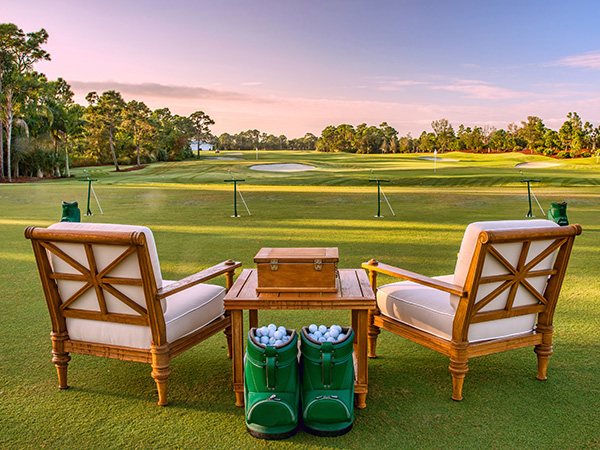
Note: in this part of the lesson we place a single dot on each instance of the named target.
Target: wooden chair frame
(160, 352)
(459, 349)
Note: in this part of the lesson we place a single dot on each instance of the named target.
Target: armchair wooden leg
(60, 358)
(542, 366)
(161, 371)
(459, 369)
(543, 350)
(372, 332)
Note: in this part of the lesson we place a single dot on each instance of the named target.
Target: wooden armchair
(106, 297)
(501, 296)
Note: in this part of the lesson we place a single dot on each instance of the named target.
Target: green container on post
(272, 388)
(70, 212)
(327, 384)
(558, 213)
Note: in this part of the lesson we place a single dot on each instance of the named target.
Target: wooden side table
(354, 293)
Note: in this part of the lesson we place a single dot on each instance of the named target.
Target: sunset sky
(291, 67)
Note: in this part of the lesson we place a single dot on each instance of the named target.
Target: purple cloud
(590, 60)
(160, 90)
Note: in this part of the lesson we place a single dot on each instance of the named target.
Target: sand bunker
(432, 158)
(537, 164)
(282, 167)
(232, 153)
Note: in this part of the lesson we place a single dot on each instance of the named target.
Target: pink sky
(291, 67)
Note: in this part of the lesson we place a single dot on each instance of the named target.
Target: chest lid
(297, 255)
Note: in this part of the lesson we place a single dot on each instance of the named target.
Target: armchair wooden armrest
(200, 277)
(375, 266)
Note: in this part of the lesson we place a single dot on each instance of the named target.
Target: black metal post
(379, 195)
(235, 214)
(89, 211)
(529, 213)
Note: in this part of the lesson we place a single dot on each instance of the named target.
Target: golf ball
(278, 335)
(312, 328)
(322, 329)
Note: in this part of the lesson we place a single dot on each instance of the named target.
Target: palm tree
(136, 116)
(74, 128)
(201, 123)
(106, 112)
(19, 52)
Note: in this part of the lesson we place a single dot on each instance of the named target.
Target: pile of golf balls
(323, 334)
(272, 335)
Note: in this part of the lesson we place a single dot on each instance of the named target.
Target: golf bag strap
(270, 367)
(326, 351)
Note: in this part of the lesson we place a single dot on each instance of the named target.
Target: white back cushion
(104, 255)
(492, 266)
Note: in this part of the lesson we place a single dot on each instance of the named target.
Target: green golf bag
(272, 388)
(327, 384)
(70, 213)
(558, 213)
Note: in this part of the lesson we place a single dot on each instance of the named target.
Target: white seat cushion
(422, 307)
(187, 311)
(429, 310)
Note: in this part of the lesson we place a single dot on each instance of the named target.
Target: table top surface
(354, 292)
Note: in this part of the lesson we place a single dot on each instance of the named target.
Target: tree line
(254, 139)
(43, 131)
(574, 138)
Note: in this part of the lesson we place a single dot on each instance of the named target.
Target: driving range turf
(188, 205)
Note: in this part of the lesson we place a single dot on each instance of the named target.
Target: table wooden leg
(359, 324)
(253, 318)
(227, 333)
(355, 328)
(237, 337)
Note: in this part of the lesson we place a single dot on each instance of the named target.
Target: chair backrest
(511, 269)
(99, 272)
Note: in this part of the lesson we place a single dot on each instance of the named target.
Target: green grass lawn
(112, 404)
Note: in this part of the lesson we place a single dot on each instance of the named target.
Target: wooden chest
(297, 269)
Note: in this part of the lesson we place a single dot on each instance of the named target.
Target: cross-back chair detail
(106, 297)
(502, 295)
(99, 281)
